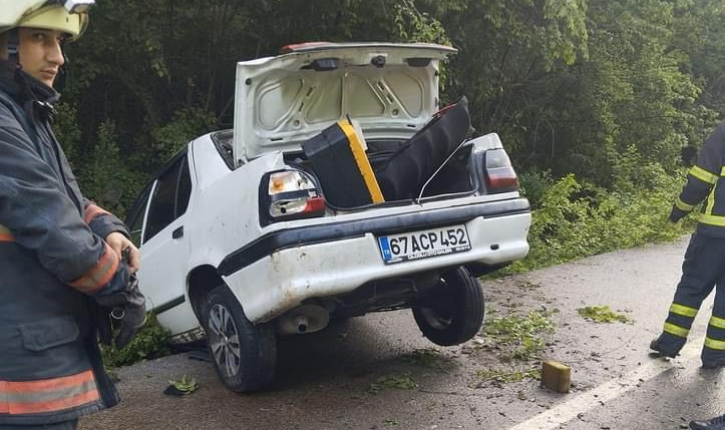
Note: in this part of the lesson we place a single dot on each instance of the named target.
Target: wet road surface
(378, 372)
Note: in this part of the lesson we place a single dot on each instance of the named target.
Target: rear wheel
(453, 312)
(244, 354)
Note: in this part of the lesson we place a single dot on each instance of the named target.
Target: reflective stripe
(93, 211)
(711, 201)
(48, 395)
(703, 175)
(683, 206)
(676, 330)
(715, 220)
(5, 235)
(100, 274)
(714, 344)
(717, 322)
(682, 310)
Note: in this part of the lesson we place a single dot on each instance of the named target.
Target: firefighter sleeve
(39, 216)
(703, 176)
(102, 222)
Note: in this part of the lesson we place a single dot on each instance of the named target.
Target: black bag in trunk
(405, 173)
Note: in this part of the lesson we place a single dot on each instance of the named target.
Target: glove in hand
(676, 214)
(127, 310)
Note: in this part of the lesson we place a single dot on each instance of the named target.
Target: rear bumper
(379, 226)
(278, 271)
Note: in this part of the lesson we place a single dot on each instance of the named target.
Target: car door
(164, 242)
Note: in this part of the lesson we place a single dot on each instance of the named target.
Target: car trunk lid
(390, 89)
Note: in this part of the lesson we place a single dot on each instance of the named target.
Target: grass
(505, 376)
(520, 336)
(603, 314)
(430, 358)
(399, 382)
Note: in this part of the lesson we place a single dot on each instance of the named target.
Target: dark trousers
(702, 271)
(65, 425)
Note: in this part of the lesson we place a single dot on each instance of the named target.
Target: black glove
(677, 214)
(127, 311)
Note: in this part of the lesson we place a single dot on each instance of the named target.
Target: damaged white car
(342, 189)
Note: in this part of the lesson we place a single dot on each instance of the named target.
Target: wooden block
(556, 376)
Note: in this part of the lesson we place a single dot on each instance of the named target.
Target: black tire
(453, 312)
(244, 354)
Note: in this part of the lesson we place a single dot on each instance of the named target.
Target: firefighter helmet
(68, 16)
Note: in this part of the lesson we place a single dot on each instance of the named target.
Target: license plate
(424, 244)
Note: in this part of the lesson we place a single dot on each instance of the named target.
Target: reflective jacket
(52, 260)
(706, 185)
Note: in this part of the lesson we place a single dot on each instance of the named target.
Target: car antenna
(422, 190)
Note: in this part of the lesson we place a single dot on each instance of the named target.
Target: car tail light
(292, 194)
(500, 174)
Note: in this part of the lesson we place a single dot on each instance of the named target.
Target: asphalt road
(378, 372)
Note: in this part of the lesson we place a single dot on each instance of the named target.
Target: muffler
(304, 319)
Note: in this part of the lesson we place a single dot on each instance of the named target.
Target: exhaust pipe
(301, 324)
(304, 319)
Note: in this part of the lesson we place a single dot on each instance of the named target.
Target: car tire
(244, 354)
(453, 311)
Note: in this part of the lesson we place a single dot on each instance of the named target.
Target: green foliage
(185, 385)
(399, 382)
(185, 126)
(430, 358)
(149, 343)
(414, 26)
(506, 376)
(575, 220)
(572, 86)
(603, 314)
(519, 337)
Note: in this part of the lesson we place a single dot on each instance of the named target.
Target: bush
(573, 220)
(150, 342)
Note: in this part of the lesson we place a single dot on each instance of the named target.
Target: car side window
(184, 189)
(135, 217)
(163, 201)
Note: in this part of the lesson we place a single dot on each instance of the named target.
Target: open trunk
(354, 173)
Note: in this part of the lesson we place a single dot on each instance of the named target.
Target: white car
(259, 231)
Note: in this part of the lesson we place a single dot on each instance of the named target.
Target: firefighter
(717, 423)
(60, 254)
(704, 265)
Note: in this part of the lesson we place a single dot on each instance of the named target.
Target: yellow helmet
(68, 16)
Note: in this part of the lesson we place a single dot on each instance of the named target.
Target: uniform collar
(23, 87)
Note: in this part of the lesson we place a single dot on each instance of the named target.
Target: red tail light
(291, 194)
(500, 174)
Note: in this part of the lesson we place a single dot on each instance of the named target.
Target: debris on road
(603, 314)
(556, 376)
(182, 387)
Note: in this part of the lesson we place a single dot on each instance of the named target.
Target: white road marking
(598, 396)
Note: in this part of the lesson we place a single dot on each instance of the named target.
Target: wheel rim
(224, 340)
(435, 319)
(439, 315)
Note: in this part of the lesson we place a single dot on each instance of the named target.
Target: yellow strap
(684, 311)
(714, 344)
(676, 330)
(703, 175)
(361, 159)
(717, 322)
(683, 206)
(711, 201)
